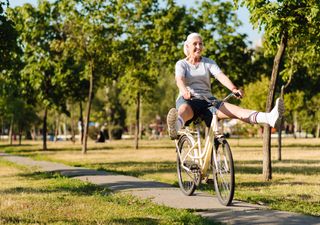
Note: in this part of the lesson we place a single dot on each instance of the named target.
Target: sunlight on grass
(294, 187)
(43, 198)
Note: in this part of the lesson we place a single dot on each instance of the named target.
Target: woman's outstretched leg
(272, 118)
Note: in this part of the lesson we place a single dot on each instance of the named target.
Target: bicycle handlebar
(212, 102)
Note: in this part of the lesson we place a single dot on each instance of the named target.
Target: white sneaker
(172, 118)
(275, 116)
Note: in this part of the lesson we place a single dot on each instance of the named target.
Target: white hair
(189, 38)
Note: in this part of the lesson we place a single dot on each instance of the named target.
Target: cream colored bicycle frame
(201, 157)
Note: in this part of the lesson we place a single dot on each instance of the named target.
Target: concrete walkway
(205, 205)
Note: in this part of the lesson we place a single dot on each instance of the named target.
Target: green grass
(29, 197)
(294, 187)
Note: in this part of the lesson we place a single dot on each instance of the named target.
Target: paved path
(205, 205)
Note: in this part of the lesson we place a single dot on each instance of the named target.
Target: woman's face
(195, 46)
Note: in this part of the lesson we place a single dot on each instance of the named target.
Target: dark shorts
(200, 108)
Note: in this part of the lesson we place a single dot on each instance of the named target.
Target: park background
(71, 70)
(67, 68)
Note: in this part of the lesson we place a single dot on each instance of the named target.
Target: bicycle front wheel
(187, 178)
(223, 171)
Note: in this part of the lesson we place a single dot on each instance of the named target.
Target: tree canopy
(119, 56)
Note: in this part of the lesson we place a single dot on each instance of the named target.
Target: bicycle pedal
(192, 166)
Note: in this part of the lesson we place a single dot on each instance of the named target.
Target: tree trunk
(20, 135)
(73, 134)
(81, 124)
(280, 130)
(110, 127)
(57, 128)
(306, 135)
(34, 133)
(10, 131)
(64, 128)
(136, 135)
(88, 109)
(318, 130)
(140, 122)
(44, 129)
(267, 170)
(295, 124)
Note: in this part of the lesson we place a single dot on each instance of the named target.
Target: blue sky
(253, 35)
(243, 14)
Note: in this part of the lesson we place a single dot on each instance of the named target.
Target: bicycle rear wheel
(186, 177)
(223, 171)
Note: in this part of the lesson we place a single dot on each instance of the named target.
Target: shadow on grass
(288, 161)
(304, 146)
(124, 221)
(150, 147)
(57, 183)
(17, 150)
(14, 145)
(255, 167)
(136, 220)
(136, 168)
(21, 220)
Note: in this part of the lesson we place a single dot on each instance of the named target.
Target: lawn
(29, 197)
(294, 185)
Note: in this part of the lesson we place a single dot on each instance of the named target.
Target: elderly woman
(192, 76)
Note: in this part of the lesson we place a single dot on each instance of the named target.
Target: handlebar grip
(237, 94)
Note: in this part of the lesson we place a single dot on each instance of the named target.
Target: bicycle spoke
(224, 177)
(187, 179)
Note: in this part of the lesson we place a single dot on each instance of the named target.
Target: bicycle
(194, 163)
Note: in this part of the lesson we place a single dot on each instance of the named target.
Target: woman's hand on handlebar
(238, 93)
(187, 95)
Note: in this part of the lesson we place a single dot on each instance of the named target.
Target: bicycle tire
(223, 171)
(187, 179)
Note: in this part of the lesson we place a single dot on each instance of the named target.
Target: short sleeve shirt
(197, 78)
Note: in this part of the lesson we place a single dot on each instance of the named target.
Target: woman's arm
(180, 81)
(225, 81)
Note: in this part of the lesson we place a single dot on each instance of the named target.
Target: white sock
(272, 117)
(180, 123)
(253, 117)
(262, 117)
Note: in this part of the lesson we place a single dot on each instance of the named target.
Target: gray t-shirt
(197, 78)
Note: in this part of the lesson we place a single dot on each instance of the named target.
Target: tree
(12, 101)
(315, 114)
(89, 29)
(8, 41)
(37, 30)
(151, 37)
(222, 43)
(282, 21)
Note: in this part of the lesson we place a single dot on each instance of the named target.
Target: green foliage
(14, 103)
(36, 28)
(299, 20)
(256, 94)
(222, 43)
(66, 42)
(9, 50)
(309, 115)
(294, 101)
